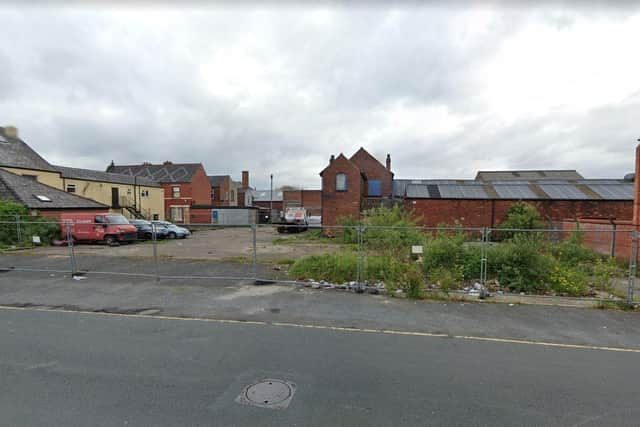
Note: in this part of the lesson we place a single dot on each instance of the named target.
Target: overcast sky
(446, 91)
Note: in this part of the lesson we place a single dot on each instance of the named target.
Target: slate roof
(583, 189)
(164, 173)
(92, 175)
(24, 190)
(14, 152)
(216, 180)
(525, 175)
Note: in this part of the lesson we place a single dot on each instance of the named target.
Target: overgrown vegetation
(17, 227)
(520, 262)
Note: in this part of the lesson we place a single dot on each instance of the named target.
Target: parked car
(108, 228)
(173, 231)
(145, 230)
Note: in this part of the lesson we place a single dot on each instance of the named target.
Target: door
(115, 197)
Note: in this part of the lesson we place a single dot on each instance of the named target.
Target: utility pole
(271, 201)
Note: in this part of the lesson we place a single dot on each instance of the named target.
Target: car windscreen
(117, 220)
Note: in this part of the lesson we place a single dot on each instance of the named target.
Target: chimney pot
(11, 131)
(167, 162)
(332, 158)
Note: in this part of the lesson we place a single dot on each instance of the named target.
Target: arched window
(341, 182)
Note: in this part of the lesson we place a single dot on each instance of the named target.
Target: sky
(276, 89)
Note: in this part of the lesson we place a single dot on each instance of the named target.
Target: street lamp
(271, 200)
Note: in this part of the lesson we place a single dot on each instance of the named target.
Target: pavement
(234, 298)
(79, 369)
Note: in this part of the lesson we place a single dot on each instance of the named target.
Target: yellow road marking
(338, 328)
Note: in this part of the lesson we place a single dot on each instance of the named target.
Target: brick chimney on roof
(389, 162)
(168, 163)
(245, 179)
(636, 192)
(11, 131)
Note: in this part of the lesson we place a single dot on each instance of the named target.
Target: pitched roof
(216, 180)
(170, 172)
(24, 190)
(341, 156)
(92, 175)
(520, 175)
(583, 189)
(14, 152)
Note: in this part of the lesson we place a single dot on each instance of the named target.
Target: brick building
(351, 185)
(309, 199)
(184, 184)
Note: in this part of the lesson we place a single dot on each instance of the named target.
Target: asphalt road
(78, 369)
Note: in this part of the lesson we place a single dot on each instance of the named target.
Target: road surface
(80, 369)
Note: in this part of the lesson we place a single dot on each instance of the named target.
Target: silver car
(173, 231)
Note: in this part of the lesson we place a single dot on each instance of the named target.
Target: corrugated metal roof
(583, 189)
(528, 175)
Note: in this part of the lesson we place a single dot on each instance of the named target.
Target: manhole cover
(269, 393)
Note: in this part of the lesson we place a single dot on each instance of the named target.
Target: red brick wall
(201, 216)
(266, 205)
(197, 192)
(310, 199)
(599, 235)
(336, 204)
(373, 169)
(488, 213)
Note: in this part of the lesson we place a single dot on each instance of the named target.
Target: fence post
(254, 260)
(359, 285)
(154, 243)
(18, 231)
(72, 252)
(633, 260)
(483, 256)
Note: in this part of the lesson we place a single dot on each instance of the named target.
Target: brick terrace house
(352, 185)
(185, 184)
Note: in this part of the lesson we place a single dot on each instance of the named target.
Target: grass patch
(238, 259)
(614, 305)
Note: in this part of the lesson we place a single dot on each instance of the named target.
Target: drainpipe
(613, 237)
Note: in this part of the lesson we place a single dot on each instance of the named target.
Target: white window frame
(173, 191)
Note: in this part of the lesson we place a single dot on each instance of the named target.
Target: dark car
(146, 232)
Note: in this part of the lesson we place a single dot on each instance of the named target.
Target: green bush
(604, 272)
(443, 251)
(379, 231)
(565, 280)
(572, 252)
(337, 267)
(28, 225)
(520, 216)
(519, 265)
(447, 279)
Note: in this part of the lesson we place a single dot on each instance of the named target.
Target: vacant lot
(221, 244)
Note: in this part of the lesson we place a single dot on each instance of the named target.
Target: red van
(107, 227)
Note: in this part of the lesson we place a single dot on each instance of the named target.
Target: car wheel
(148, 236)
(110, 240)
(171, 235)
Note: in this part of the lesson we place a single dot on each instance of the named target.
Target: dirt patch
(220, 244)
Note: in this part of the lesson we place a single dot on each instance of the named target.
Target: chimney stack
(389, 162)
(11, 131)
(332, 158)
(167, 163)
(245, 179)
(636, 192)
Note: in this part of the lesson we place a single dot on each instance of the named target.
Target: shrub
(520, 216)
(336, 267)
(572, 252)
(447, 278)
(519, 264)
(569, 281)
(443, 251)
(29, 225)
(380, 233)
(604, 273)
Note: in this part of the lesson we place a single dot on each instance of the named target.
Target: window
(33, 177)
(374, 188)
(71, 188)
(175, 191)
(341, 182)
(42, 198)
(144, 193)
(213, 194)
(232, 196)
(177, 214)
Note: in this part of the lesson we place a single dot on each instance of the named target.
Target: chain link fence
(417, 262)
